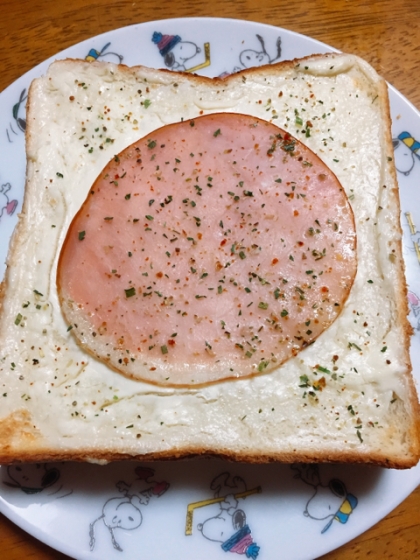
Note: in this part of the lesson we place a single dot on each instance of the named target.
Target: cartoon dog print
(36, 478)
(329, 501)
(18, 121)
(414, 302)
(406, 152)
(103, 54)
(177, 53)
(6, 205)
(125, 512)
(250, 58)
(229, 527)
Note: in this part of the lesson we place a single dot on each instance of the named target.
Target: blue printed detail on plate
(406, 152)
(228, 522)
(104, 54)
(126, 512)
(329, 501)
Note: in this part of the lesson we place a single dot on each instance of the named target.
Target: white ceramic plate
(132, 510)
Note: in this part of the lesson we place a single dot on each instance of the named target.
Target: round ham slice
(211, 249)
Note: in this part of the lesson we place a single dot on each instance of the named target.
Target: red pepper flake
(274, 261)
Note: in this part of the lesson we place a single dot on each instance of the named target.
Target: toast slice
(348, 396)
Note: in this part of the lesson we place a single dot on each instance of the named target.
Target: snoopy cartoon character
(406, 152)
(32, 478)
(250, 57)
(175, 52)
(6, 205)
(125, 512)
(328, 502)
(229, 527)
(37, 478)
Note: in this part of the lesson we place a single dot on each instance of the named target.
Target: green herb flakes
(130, 292)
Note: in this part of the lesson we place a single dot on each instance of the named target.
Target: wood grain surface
(384, 32)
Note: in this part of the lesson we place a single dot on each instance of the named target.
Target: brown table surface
(384, 32)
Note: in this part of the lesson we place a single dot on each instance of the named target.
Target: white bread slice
(59, 403)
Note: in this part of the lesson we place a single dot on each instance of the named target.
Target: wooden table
(384, 32)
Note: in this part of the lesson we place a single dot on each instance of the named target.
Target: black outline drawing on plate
(36, 478)
(19, 122)
(177, 53)
(124, 512)
(250, 58)
(414, 302)
(7, 206)
(415, 234)
(229, 526)
(406, 152)
(329, 501)
(103, 54)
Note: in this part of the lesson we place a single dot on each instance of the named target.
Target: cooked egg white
(340, 394)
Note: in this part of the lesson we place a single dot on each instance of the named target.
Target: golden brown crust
(45, 454)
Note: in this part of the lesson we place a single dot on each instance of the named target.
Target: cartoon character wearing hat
(6, 205)
(177, 53)
(228, 526)
(329, 502)
(407, 151)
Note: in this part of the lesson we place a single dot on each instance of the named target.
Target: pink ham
(213, 248)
